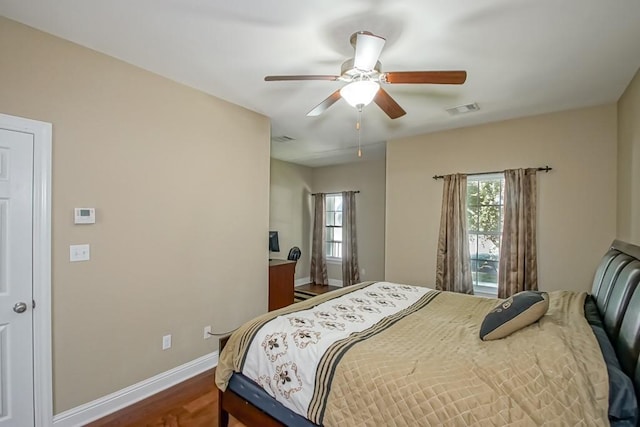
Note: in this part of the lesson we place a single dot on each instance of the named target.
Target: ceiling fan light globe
(360, 92)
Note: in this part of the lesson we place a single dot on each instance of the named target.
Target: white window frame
(485, 289)
(332, 259)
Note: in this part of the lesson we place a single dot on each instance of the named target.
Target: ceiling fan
(363, 74)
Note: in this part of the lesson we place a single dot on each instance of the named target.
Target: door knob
(20, 307)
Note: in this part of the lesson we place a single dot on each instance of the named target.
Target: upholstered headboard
(617, 296)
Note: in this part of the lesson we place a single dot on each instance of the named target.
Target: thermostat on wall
(84, 215)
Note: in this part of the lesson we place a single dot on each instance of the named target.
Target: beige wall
(180, 183)
(629, 163)
(577, 200)
(369, 178)
(290, 211)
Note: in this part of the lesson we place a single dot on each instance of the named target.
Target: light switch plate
(79, 253)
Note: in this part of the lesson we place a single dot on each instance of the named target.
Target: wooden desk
(281, 275)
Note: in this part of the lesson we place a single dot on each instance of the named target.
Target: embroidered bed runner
(293, 356)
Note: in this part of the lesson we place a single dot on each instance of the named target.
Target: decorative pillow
(512, 314)
(623, 406)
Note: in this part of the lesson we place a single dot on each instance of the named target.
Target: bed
(381, 353)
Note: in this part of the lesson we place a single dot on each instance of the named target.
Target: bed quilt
(387, 353)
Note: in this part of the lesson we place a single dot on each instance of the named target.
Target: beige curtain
(319, 274)
(350, 269)
(453, 268)
(518, 259)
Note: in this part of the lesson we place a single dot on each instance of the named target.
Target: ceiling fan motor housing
(348, 72)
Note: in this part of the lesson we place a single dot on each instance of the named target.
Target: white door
(16, 278)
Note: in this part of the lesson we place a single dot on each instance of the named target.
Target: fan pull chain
(358, 122)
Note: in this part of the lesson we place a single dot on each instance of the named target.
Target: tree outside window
(485, 203)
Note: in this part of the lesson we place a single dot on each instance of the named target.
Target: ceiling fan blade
(368, 49)
(388, 104)
(436, 77)
(320, 108)
(303, 77)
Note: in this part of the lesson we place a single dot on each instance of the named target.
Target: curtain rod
(545, 169)
(335, 192)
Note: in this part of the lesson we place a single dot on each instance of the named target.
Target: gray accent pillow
(515, 313)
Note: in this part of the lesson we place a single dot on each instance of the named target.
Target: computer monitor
(274, 245)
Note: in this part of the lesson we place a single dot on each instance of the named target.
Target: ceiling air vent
(283, 138)
(462, 109)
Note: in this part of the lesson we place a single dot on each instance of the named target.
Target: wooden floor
(310, 290)
(316, 289)
(193, 403)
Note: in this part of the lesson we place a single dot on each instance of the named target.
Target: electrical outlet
(207, 331)
(166, 342)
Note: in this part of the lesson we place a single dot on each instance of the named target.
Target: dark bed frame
(616, 293)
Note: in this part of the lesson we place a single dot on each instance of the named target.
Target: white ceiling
(523, 57)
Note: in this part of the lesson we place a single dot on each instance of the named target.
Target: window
(485, 195)
(333, 214)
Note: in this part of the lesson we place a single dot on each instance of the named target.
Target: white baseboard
(306, 280)
(106, 405)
